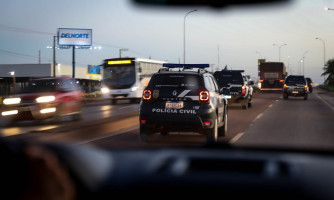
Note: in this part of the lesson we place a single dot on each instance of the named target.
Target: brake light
(311, 83)
(142, 121)
(207, 123)
(243, 90)
(261, 81)
(305, 88)
(281, 81)
(147, 95)
(204, 96)
(285, 87)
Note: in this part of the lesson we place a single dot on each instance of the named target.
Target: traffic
(135, 98)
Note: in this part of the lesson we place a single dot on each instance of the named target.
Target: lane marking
(270, 105)
(258, 117)
(109, 135)
(323, 100)
(237, 137)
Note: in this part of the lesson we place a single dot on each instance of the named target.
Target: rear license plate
(175, 105)
(294, 92)
(228, 96)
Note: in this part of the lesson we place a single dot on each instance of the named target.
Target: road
(270, 121)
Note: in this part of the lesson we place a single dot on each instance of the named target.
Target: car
(309, 84)
(240, 86)
(185, 99)
(44, 98)
(296, 86)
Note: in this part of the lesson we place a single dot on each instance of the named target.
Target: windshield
(40, 86)
(74, 38)
(119, 76)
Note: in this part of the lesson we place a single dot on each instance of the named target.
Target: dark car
(309, 84)
(295, 85)
(240, 87)
(44, 98)
(183, 100)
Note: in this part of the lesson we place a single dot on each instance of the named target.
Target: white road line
(109, 135)
(258, 117)
(270, 105)
(329, 105)
(235, 138)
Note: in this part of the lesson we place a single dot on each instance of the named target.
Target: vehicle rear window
(175, 81)
(225, 78)
(295, 80)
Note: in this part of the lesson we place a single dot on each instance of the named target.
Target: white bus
(126, 78)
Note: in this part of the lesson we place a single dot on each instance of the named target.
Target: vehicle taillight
(147, 95)
(261, 81)
(281, 81)
(285, 87)
(243, 90)
(305, 88)
(204, 96)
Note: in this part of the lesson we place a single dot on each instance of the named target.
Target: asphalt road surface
(270, 121)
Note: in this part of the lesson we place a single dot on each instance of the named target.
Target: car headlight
(133, 89)
(105, 90)
(11, 101)
(45, 99)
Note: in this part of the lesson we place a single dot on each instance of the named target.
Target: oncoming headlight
(45, 99)
(133, 89)
(11, 101)
(105, 90)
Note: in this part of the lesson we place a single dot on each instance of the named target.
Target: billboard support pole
(73, 62)
(54, 55)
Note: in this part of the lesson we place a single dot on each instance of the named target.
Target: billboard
(74, 37)
(93, 69)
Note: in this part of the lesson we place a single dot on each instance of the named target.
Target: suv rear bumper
(169, 121)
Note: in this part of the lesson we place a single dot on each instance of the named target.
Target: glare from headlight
(10, 101)
(133, 89)
(105, 90)
(48, 110)
(11, 112)
(45, 99)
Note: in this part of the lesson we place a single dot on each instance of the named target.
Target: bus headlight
(11, 101)
(133, 89)
(45, 99)
(105, 90)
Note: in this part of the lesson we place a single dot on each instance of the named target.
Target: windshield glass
(225, 79)
(291, 80)
(40, 86)
(119, 75)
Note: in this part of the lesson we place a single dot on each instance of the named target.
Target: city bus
(126, 78)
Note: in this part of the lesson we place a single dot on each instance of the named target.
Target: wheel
(285, 96)
(164, 132)
(250, 102)
(305, 97)
(113, 101)
(145, 134)
(222, 131)
(245, 106)
(212, 134)
(77, 116)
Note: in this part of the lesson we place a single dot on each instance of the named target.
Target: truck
(272, 76)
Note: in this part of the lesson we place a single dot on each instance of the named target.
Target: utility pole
(39, 57)
(120, 51)
(54, 55)
(73, 62)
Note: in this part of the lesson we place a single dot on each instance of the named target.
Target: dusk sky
(243, 34)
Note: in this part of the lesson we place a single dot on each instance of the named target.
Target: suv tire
(305, 97)
(285, 96)
(222, 131)
(212, 133)
(245, 106)
(145, 134)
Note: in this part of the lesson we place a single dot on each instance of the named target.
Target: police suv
(183, 98)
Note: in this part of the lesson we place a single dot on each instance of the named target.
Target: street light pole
(279, 51)
(120, 51)
(304, 62)
(324, 52)
(54, 55)
(184, 36)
